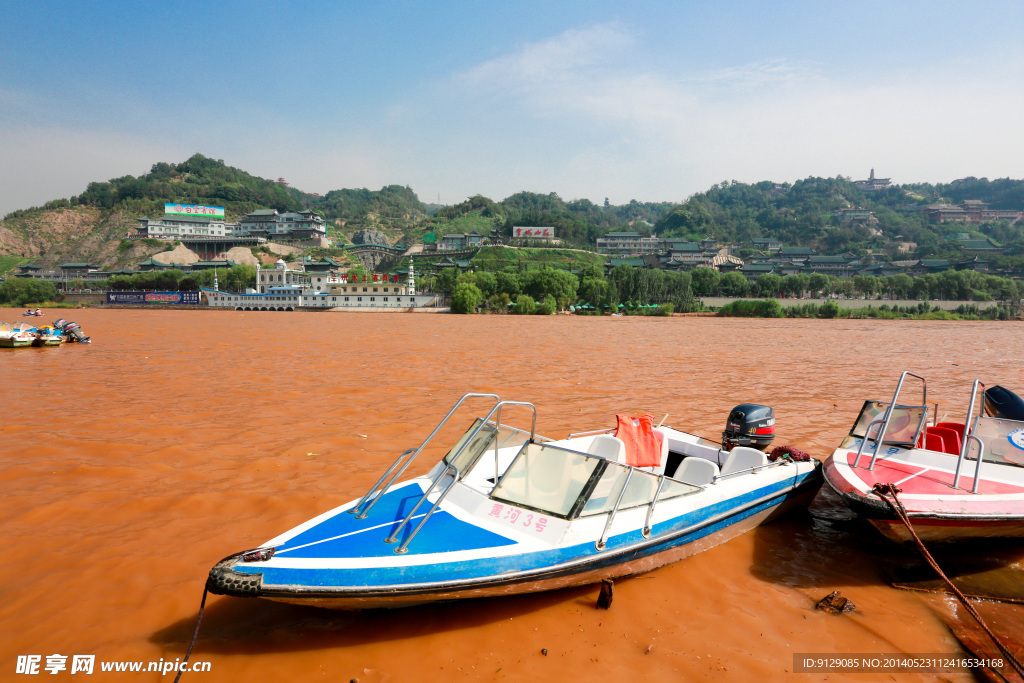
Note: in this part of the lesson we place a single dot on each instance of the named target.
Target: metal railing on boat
(753, 470)
(397, 469)
(615, 510)
(970, 424)
(968, 437)
(887, 417)
(358, 510)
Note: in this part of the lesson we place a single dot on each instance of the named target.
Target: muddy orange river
(132, 465)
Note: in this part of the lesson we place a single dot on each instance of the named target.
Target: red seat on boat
(941, 439)
(958, 432)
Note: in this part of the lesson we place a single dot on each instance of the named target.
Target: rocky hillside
(81, 234)
(92, 227)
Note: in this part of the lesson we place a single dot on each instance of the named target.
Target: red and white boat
(956, 480)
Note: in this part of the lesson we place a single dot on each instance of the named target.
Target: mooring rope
(202, 606)
(195, 633)
(883, 491)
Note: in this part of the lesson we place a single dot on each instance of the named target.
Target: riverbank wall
(946, 305)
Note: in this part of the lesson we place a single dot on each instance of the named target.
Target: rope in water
(195, 633)
(202, 606)
(883, 491)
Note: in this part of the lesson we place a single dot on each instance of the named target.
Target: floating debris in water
(834, 603)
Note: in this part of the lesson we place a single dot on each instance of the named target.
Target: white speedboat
(956, 480)
(507, 511)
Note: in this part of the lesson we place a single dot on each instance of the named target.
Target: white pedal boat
(563, 513)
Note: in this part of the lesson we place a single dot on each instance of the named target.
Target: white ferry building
(281, 289)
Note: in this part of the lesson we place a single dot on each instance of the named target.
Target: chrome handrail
(864, 441)
(404, 547)
(977, 468)
(361, 514)
(456, 475)
(497, 421)
(591, 431)
(375, 487)
(611, 516)
(754, 470)
(646, 531)
(880, 439)
(968, 434)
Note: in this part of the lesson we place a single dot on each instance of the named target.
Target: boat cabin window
(904, 427)
(464, 458)
(1003, 440)
(569, 484)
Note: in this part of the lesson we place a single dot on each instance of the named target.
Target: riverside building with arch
(282, 289)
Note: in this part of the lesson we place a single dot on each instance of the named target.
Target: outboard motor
(73, 331)
(1003, 403)
(751, 425)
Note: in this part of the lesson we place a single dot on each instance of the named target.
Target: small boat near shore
(17, 335)
(47, 336)
(956, 480)
(508, 511)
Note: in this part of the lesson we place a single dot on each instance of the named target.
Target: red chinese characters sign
(535, 233)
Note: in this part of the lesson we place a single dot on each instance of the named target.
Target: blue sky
(651, 101)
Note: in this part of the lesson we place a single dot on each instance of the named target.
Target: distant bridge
(373, 256)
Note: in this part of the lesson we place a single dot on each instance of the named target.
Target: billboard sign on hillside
(544, 233)
(194, 210)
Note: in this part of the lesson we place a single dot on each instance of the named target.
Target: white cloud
(611, 120)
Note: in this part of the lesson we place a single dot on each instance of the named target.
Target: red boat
(956, 480)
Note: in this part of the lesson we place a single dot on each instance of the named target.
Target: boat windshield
(640, 491)
(1003, 440)
(904, 427)
(547, 479)
(470, 446)
(569, 484)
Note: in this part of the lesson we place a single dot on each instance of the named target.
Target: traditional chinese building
(873, 184)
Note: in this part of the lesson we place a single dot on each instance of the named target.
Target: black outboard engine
(72, 331)
(749, 425)
(1003, 403)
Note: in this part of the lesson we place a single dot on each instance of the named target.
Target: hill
(91, 227)
(805, 214)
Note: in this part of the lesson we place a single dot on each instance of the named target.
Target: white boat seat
(608, 447)
(696, 471)
(743, 458)
(663, 460)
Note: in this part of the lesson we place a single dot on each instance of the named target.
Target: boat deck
(921, 479)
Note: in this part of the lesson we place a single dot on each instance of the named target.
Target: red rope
(883, 491)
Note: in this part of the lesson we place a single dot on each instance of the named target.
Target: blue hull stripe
(345, 536)
(580, 558)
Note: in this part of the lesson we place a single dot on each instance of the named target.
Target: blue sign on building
(188, 298)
